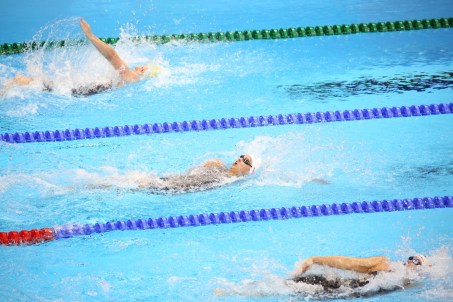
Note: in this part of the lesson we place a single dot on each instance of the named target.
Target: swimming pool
(48, 184)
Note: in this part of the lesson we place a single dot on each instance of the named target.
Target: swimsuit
(91, 90)
(337, 287)
(82, 90)
(197, 179)
(331, 284)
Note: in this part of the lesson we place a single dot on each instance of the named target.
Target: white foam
(24, 110)
(80, 65)
(67, 181)
(292, 160)
(265, 283)
(175, 280)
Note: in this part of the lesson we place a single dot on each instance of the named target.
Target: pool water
(53, 184)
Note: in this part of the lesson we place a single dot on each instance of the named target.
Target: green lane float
(245, 35)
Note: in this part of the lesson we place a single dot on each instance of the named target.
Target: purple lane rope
(365, 207)
(26, 237)
(228, 123)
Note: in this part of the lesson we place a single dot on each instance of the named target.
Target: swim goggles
(246, 161)
(414, 260)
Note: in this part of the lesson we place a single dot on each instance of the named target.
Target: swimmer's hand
(86, 28)
(300, 269)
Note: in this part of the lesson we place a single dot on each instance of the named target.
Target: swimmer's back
(197, 179)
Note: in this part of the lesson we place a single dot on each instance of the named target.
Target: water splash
(297, 158)
(440, 275)
(293, 159)
(267, 284)
(110, 178)
(78, 65)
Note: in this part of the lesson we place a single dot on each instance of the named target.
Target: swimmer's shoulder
(214, 163)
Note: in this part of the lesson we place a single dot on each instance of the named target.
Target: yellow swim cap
(152, 71)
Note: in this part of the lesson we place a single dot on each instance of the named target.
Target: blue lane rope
(284, 213)
(227, 123)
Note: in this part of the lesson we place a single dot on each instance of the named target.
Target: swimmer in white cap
(371, 266)
(360, 265)
(212, 173)
(126, 74)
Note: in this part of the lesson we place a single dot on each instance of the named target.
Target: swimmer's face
(413, 262)
(241, 166)
(141, 69)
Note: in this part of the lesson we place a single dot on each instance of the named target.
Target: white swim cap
(422, 258)
(256, 162)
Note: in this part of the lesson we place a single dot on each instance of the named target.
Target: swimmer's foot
(320, 181)
(21, 80)
(220, 292)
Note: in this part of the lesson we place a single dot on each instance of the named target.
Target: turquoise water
(50, 184)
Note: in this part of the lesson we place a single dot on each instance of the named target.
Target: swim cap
(152, 71)
(256, 162)
(422, 258)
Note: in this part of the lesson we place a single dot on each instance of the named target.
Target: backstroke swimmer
(370, 266)
(315, 276)
(126, 74)
(212, 173)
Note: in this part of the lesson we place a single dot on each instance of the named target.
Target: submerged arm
(360, 265)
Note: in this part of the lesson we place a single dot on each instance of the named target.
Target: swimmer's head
(416, 260)
(245, 164)
(148, 71)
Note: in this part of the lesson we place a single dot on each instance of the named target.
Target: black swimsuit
(332, 284)
(91, 90)
(83, 90)
(197, 179)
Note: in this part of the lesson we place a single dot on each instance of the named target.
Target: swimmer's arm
(109, 53)
(214, 163)
(360, 265)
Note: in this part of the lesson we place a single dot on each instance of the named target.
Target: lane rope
(26, 237)
(228, 123)
(230, 36)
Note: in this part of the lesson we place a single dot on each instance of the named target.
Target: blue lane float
(228, 123)
(365, 207)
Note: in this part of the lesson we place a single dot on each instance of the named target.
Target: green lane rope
(230, 36)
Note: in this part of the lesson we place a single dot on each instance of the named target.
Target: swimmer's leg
(21, 80)
(18, 80)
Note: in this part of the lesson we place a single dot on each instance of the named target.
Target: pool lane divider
(230, 36)
(228, 123)
(25, 237)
